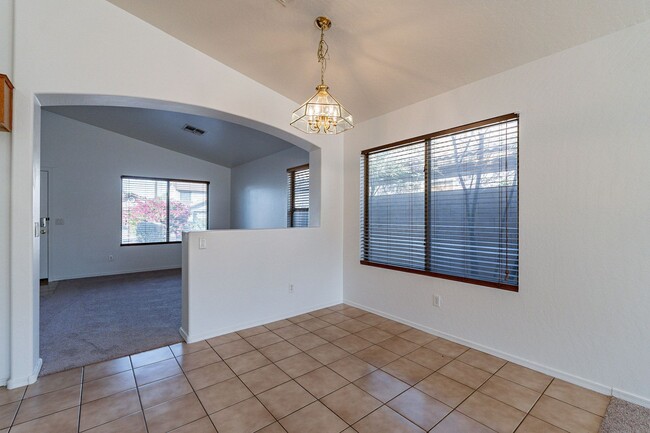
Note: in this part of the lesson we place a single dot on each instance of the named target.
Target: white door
(44, 223)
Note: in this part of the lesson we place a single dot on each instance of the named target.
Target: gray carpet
(95, 319)
(624, 417)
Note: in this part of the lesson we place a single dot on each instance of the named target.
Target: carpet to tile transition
(624, 417)
(95, 319)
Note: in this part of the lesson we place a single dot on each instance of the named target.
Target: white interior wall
(85, 166)
(582, 308)
(143, 62)
(227, 287)
(259, 190)
(6, 67)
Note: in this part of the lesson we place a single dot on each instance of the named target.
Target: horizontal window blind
(395, 222)
(160, 210)
(298, 196)
(144, 211)
(188, 208)
(445, 204)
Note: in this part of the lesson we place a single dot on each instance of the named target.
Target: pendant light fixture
(322, 113)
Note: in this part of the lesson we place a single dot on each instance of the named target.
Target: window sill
(150, 243)
(507, 287)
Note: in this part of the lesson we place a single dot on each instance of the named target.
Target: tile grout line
(257, 368)
(535, 404)
(566, 402)
(352, 382)
(306, 390)
(455, 408)
(137, 390)
(380, 369)
(193, 390)
(525, 413)
(81, 396)
(562, 401)
(110, 395)
(13, 422)
(456, 358)
(573, 405)
(319, 400)
(376, 369)
(244, 383)
(386, 403)
(477, 390)
(20, 403)
(425, 378)
(291, 379)
(541, 420)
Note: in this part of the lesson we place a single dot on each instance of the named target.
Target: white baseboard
(193, 338)
(23, 381)
(632, 398)
(576, 380)
(3, 381)
(184, 335)
(108, 274)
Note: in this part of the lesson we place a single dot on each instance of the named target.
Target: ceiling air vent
(193, 129)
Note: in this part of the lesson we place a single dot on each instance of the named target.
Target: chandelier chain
(323, 49)
(322, 114)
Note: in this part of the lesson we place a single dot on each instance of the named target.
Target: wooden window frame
(291, 205)
(427, 197)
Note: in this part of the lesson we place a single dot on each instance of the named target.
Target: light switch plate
(203, 244)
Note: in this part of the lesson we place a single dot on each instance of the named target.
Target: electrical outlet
(290, 288)
(437, 301)
(110, 257)
(203, 243)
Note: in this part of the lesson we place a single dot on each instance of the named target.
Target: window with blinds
(156, 211)
(445, 204)
(298, 196)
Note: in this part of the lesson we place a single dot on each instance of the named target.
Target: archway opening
(125, 176)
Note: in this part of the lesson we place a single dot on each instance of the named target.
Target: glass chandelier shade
(322, 113)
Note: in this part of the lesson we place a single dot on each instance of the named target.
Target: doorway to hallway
(44, 226)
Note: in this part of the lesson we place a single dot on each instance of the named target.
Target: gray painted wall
(259, 190)
(86, 164)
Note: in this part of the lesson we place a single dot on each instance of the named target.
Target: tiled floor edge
(630, 397)
(576, 380)
(217, 332)
(166, 404)
(23, 381)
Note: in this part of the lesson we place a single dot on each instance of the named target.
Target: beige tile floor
(339, 369)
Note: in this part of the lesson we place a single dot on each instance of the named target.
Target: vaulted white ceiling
(224, 143)
(384, 54)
